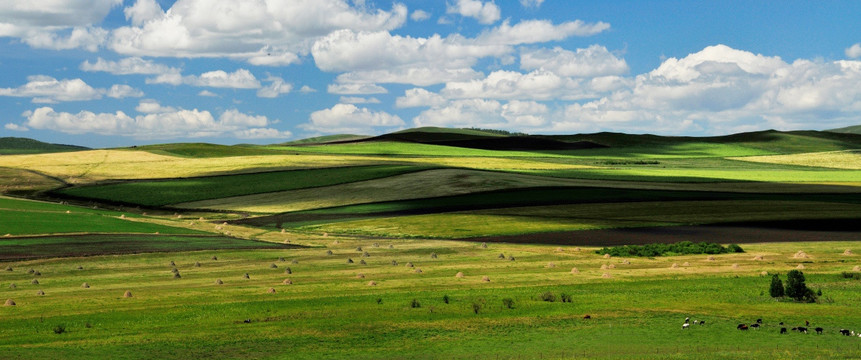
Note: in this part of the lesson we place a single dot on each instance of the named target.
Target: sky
(106, 73)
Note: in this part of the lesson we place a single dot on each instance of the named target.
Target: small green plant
(565, 297)
(88, 325)
(445, 299)
(415, 304)
(508, 303)
(59, 329)
(476, 307)
(379, 301)
(548, 296)
(851, 275)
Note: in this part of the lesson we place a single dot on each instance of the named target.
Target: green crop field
(397, 247)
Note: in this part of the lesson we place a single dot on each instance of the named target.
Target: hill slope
(17, 145)
(847, 130)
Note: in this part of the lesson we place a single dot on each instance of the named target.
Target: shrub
(682, 247)
(476, 307)
(59, 329)
(379, 301)
(548, 296)
(415, 304)
(797, 289)
(565, 297)
(445, 299)
(508, 303)
(851, 275)
(776, 289)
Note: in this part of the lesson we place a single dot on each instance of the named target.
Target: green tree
(797, 289)
(776, 289)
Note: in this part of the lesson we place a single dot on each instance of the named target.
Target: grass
(165, 192)
(329, 313)
(203, 150)
(391, 148)
(848, 159)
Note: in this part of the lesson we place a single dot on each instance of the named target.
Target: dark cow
(802, 329)
(783, 330)
(845, 332)
(587, 316)
(759, 321)
(806, 323)
(781, 323)
(741, 327)
(819, 330)
(702, 322)
(755, 326)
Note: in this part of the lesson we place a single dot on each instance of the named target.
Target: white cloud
(419, 97)
(358, 100)
(45, 89)
(593, 61)
(463, 113)
(347, 118)
(276, 87)
(15, 127)
(262, 133)
(531, 3)
(262, 33)
(535, 85)
(207, 93)
(239, 79)
(88, 38)
(132, 65)
(484, 12)
(420, 15)
(538, 31)
(58, 24)
(356, 89)
(854, 51)
(120, 91)
(420, 76)
(150, 106)
(305, 89)
(178, 123)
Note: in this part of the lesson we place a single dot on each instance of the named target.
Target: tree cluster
(795, 288)
(679, 248)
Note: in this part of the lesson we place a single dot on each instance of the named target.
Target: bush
(508, 303)
(565, 297)
(851, 275)
(548, 297)
(379, 301)
(59, 329)
(415, 304)
(445, 299)
(776, 289)
(476, 307)
(679, 248)
(797, 289)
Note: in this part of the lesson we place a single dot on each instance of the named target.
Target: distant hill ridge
(848, 130)
(18, 145)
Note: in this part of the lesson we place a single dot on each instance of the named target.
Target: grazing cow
(741, 327)
(781, 323)
(819, 330)
(806, 323)
(702, 322)
(802, 329)
(685, 326)
(247, 321)
(783, 330)
(587, 317)
(687, 320)
(755, 326)
(696, 322)
(759, 321)
(845, 332)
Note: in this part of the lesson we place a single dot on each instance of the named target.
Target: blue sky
(107, 73)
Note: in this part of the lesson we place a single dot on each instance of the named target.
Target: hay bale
(686, 264)
(35, 282)
(282, 259)
(800, 255)
(172, 263)
(127, 294)
(856, 268)
(626, 262)
(13, 286)
(349, 261)
(37, 273)
(31, 271)
(376, 245)
(329, 252)
(177, 276)
(611, 266)
(459, 275)
(85, 286)
(606, 276)
(764, 273)
(559, 249)
(372, 283)
(201, 219)
(511, 257)
(287, 282)
(551, 265)
(360, 276)
(757, 258)
(283, 231)
(710, 258)
(501, 256)
(485, 279)
(8, 268)
(288, 270)
(395, 262)
(197, 264)
(800, 266)
(271, 291)
(219, 282)
(273, 266)
(174, 270)
(604, 267)
(294, 261)
(363, 262)
(418, 271)
(433, 255)
(735, 266)
(575, 270)
(847, 252)
(359, 248)
(336, 242)
(577, 249)
(215, 258)
(9, 302)
(365, 254)
(40, 293)
(391, 246)
(80, 267)
(674, 266)
(246, 276)
(484, 245)
(409, 265)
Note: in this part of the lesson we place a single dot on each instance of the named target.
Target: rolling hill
(17, 145)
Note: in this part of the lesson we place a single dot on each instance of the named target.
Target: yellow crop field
(850, 159)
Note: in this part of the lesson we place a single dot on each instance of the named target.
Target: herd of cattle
(756, 325)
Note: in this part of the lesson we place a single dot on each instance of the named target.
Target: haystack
(9, 302)
(800, 255)
(349, 261)
(501, 256)
(606, 256)
(577, 249)
(606, 276)
(283, 231)
(686, 264)
(710, 258)
(177, 276)
(215, 258)
(758, 257)
(511, 257)
(484, 245)
(287, 282)
(360, 276)
(418, 271)
(31, 271)
(172, 263)
(847, 252)
(127, 294)
(13, 286)
(409, 264)
(80, 267)
(391, 246)
(174, 270)
(40, 293)
(372, 283)
(273, 266)
(197, 264)
(246, 276)
(8, 268)
(485, 279)
(674, 266)
(735, 266)
(35, 282)
(395, 262)
(363, 262)
(282, 259)
(559, 249)
(288, 270)
(575, 271)
(201, 219)
(329, 252)
(219, 282)
(37, 273)
(294, 261)
(604, 267)
(365, 254)
(764, 273)
(433, 255)
(611, 266)
(336, 242)
(85, 286)
(376, 245)
(856, 268)
(271, 291)
(459, 275)
(800, 266)
(626, 262)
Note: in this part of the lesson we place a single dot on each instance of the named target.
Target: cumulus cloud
(420, 15)
(164, 124)
(45, 89)
(358, 100)
(535, 85)
(119, 91)
(356, 89)
(531, 3)
(262, 33)
(463, 113)
(59, 25)
(150, 106)
(262, 133)
(420, 76)
(276, 87)
(539, 31)
(88, 38)
(207, 93)
(127, 66)
(419, 97)
(593, 61)
(854, 51)
(239, 79)
(484, 12)
(347, 118)
(305, 89)
(15, 127)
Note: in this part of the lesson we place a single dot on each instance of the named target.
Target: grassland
(847, 159)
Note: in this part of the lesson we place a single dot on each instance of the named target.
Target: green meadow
(429, 243)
